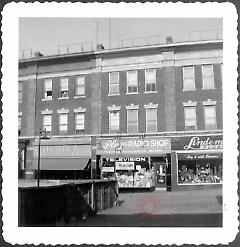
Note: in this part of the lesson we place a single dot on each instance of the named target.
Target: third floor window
(19, 91)
(207, 76)
(132, 82)
(150, 80)
(48, 89)
(80, 86)
(188, 78)
(63, 87)
(114, 83)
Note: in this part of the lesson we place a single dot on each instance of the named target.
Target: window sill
(46, 99)
(131, 93)
(116, 94)
(192, 89)
(63, 98)
(210, 88)
(80, 97)
(149, 92)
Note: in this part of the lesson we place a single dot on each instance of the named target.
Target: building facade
(128, 112)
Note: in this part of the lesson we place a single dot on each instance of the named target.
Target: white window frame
(117, 131)
(214, 117)
(137, 125)
(193, 78)
(61, 125)
(81, 85)
(110, 84)
(147, 112)
(128, 72)
(204, 85)
(46, 91)
(65, 92)
(82, 128)
(44, 126)
(195, 117)
(150, 83)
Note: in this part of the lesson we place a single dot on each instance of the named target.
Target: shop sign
(192, 156)
(124, 165)
(197, 143)
(107, 169)
(64, 151)
(130, 146)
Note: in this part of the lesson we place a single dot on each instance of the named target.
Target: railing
(49, 205)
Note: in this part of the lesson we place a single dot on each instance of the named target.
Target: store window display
(199, 172)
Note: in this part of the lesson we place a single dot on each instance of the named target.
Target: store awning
(61, 163)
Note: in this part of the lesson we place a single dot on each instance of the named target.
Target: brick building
(150, 115)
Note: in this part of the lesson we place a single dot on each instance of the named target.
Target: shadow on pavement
(150, 220)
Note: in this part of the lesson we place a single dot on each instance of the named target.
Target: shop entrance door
(160, 173)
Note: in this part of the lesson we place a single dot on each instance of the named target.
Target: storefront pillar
(168, 172)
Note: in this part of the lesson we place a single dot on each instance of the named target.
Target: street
(160, 208)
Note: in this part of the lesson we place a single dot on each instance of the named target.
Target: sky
(54, 35)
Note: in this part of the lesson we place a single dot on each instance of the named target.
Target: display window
(205, 171)
(108, 168)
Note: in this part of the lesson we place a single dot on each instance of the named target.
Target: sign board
(197, 142)
(193, 156)
(124, 165)
(107, 169)
(134, 146)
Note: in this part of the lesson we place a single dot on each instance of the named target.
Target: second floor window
(190, 118)
(114, 83)
(188, 78)
(48, 89)
(63, 123)
(132, 121)
(79, 123)
(64, 88)
(80, 86)
(151, 120)
(210, 117)
(207, 76)
(19, 91)
(132, 82)
(150, 80)
(19, 122)
(47, 123)
(114, 121)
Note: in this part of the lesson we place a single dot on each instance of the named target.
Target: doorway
(159, 166)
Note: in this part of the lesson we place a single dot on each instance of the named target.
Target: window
(19, 91)
(48, 89)
(210, 117)
(132, 82)
(63, 123)
(207, 76)
(19, 125)
(114, 83)
(132, 121)
(80, 86)
(151, 120)
(79, 123)
(64, 88)
(114, 121)
(190, 118)
(47, 123)
(150, 80)
(188, 78)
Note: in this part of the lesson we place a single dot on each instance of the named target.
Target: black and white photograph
(123, 127)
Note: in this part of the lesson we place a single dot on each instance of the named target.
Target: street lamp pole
(38, 167)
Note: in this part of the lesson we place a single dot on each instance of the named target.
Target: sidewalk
(161, 208)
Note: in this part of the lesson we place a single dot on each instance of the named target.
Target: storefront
(135, 162)
(63, 158)
(197, 161)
